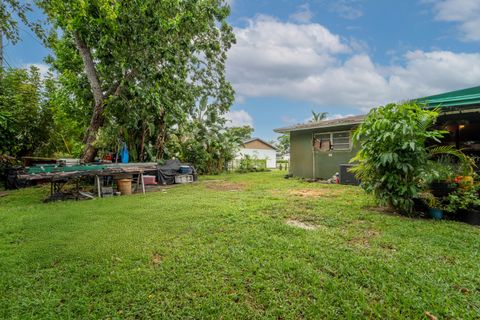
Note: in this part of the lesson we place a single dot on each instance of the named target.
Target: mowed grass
(221, 248)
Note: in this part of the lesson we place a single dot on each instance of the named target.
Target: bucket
(436, 213)
(124, 186)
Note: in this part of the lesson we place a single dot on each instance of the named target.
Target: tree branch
(115, 89)
(90, 70)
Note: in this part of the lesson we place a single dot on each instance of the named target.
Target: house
(258, 149)
(321, 149)
(317, 149)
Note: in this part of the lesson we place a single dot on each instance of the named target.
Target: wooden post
(137, 183)
(99, 187)
(143, 183)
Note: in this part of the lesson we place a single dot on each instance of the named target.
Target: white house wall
(270, 155)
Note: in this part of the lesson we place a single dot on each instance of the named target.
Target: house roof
(354, 120)
(458, 98)
(262, 141)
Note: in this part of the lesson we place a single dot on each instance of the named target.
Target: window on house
(322, 142)
(331, 141)
(341, 140)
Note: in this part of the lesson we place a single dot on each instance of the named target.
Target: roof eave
(286, 130)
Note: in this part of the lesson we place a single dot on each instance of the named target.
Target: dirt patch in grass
(384, 210)
(156, 259)
(3, 194)
(300, 224)
(314, 193)
(222, 185)
(364, 239)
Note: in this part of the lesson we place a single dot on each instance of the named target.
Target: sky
(337, 56)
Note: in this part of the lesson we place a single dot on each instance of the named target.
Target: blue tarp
(124, 153)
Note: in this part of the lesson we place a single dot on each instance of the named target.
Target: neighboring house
(259, 149)
(319, 149)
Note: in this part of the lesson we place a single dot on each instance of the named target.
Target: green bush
(393, 156)
(252, 164)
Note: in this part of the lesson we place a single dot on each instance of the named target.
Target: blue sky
(342, 56)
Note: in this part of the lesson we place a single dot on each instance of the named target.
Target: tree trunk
(141, 156)
(162, 130)
(97, 120)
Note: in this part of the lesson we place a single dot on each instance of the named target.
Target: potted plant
(464, 205)
(435, 205)
(447, 169)
(439, 176)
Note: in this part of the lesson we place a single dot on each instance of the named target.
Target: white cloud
(42, 68)
(347, 9)
(307, 62)
(464, 12)
(303, 14)
(238, 119)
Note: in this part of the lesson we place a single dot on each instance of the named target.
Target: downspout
(313, 156)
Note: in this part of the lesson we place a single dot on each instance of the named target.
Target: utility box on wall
(347, 177)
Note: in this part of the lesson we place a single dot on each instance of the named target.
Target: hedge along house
(321, 149)
(318, 149)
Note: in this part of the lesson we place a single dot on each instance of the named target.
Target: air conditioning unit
(347, 177)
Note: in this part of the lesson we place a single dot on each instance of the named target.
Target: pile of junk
(69, 179)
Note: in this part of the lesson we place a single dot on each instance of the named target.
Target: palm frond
(467, 162)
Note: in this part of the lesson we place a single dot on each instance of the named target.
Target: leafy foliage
(11, 12)
(25, 121)
(318, 116)
(462, 198)
(392, 156)
(140, 68)
(251, 164)
(283, 144)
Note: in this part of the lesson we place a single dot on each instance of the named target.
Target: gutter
(286, 130)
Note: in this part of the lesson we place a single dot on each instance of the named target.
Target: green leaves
(175, 50)
(392, 155)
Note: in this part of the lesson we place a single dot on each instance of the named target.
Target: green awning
(459, 98)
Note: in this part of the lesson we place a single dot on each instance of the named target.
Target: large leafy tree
(25, 124)
(139, 64)
(393, 156)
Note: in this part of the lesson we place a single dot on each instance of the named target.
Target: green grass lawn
(221, 248)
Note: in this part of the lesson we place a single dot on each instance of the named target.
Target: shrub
(392, 154)
(462, 199)
(252, 164)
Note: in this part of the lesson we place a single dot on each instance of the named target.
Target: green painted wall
(301, 157)
(326, 163)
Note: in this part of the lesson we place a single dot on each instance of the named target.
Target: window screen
(341, 140)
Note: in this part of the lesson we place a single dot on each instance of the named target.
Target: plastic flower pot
(470, 216)
(435, 213)
(442, 189)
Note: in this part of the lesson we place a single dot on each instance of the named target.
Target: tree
(204, 141)
(392, 158)
(283, 144)
(25, 125)
(164, 56)
(318, 116)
